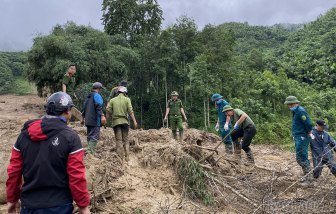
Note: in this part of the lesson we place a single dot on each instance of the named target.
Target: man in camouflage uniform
(69, 82)
(114, 92)
(175, 111)
(119, 108)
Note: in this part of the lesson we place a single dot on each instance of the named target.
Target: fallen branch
(234, 191)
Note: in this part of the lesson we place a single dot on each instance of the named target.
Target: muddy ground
(150, 182)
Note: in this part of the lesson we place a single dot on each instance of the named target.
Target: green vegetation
(11, 69)
(193, 176)
(254, 67)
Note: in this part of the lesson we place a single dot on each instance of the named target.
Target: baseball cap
(322, 123)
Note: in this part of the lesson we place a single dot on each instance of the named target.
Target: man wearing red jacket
(49, 156)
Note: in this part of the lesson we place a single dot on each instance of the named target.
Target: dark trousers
(319, 163)
(93, 133)
(62, 209)
(121, 135)
(247, 135)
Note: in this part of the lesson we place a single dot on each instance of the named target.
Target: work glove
(312, 136)
(186, 119)
(217, 127)
(82, 122)
(236, 126)
(165, 119)
(226, 126)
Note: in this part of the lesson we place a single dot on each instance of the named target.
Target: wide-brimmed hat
(291, 100)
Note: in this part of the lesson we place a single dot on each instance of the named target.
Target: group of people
(49, 155)
(304, 134)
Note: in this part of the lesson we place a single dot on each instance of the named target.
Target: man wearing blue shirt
(93, 115)
(223, 121)
(301, 130)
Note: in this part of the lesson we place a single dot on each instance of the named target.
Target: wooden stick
(217, 146)
(234, 191)
(205, 166)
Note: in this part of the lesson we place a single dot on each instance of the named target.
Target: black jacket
(50, 152)
(93, 109)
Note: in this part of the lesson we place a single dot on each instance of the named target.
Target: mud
(150, 181)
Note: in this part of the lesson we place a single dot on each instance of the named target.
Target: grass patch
(289, 147)
(23, 87)
(194, 176)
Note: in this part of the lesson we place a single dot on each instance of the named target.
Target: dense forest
(254, 67)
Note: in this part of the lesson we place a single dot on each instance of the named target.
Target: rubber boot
(237, 149)
(92, 147)
(308, 179)
(228, 149)
(181, 136)
(175, 135)
(250, 157)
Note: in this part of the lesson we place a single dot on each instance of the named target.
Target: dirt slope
(150, 181)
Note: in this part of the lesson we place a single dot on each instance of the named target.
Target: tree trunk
(205, 126)
(141, 113)
(166, 94)
(184, 88)
(190, 91)
(274, 105)
(208, 112)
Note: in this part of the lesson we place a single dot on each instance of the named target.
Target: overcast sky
(20, 20)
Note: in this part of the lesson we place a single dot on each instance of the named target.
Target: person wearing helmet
(301, 130)
(175, 110)
(69, 82)
(93, 115)
(114, 92)
(119, 108)
(223, 121)
(245, 128)
(49, 156)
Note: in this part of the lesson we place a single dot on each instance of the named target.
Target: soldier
(69, 82)
(175, 109)
(301, 130)
(321, 153)
(223, 121)
(93, 115)
(114, 92)
(245, 128)
(119, 108)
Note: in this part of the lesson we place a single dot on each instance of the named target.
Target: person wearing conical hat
(175, 112)
(223, 121)
(245, 128)
(301, 130)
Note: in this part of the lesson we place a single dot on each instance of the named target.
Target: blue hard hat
(216, 97)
